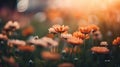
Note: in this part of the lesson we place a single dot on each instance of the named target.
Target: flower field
(58, 48)
(59, 33)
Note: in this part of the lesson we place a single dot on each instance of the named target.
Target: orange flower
(26, 48)
(116, 41)
(28, 31)
(50, 55)
(58, 29)
(74, 41)
(102, 50)
(85, 30)
(80, 35)
(94, 28)
(66, 65)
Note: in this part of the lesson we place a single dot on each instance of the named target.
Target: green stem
(84, 52)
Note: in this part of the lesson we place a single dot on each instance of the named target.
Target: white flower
(64, 35)
(44, 42)
(50, 41)
(104, 43)
(10, 24)
(52, 30)
(35, 40)
(17, 42)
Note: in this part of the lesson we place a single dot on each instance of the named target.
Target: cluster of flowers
(7, 31)
(76, 39)
(28, 45)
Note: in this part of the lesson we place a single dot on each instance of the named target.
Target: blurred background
(44, 13)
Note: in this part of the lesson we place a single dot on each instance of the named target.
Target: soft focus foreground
(57, 33)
